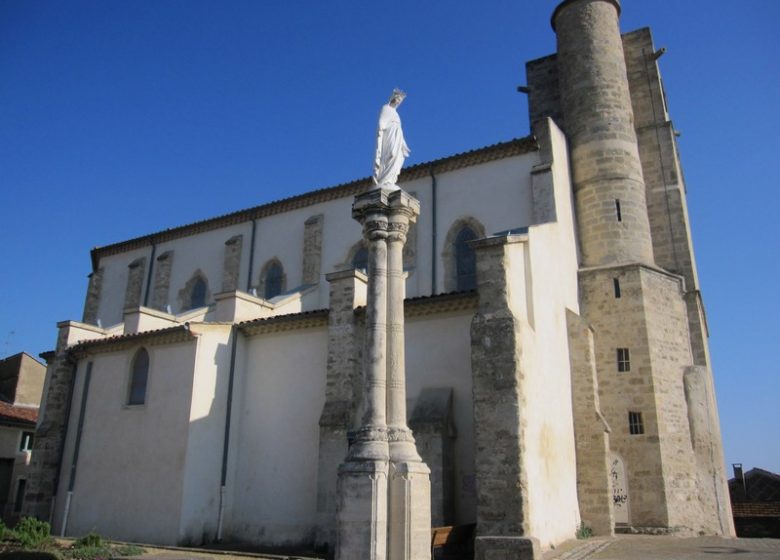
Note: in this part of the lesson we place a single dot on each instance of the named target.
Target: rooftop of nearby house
(759, 486)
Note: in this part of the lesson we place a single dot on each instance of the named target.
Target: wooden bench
(455, 542)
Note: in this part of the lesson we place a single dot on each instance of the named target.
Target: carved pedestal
(362, 510)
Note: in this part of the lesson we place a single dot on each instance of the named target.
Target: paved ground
(622, 547)
(639, 547)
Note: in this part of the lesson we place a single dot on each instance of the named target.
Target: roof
(175, 333)
(18, 356)
(478, 156)
(288, 321)
(436, 303)
(16, 415)
(756, 509)
(760, 486)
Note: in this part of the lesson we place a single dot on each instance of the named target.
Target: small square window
(635, 425)
(26, 441)
(623, 360)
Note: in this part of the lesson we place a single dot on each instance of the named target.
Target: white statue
(391, 149)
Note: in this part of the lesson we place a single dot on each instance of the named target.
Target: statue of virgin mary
(391, 148)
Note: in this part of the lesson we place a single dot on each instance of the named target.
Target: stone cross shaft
(371, 438)
(404, 209)
(385, 215)
(384, 487)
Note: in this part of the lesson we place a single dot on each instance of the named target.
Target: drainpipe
(226, 444)
(76, 449)
(433, 234)
(149, 275)
(251, 256)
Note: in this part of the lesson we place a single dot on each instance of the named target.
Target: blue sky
(120, 118)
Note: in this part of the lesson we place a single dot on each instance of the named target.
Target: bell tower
(653, 395)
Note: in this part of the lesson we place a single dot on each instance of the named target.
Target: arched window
(360, 260)
(198, 294)
(139, 375)
(274, 280)
(195, 292)
(460, 262)
(465, 260)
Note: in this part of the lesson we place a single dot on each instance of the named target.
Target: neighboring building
(755, 500)
(557, 359)
(21, 384)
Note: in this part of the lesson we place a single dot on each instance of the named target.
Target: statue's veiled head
(397, 97)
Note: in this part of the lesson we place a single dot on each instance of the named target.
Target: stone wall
(162, 281)
(434, 434)
(650, 320)
(596, 104)
(503, 520)
(312, 249)
(660, 162)
(136, 274)
(670, 355)
(92, 303)
(705, 437)
(232, 263)
(343, 392)
(544, 96)
(591, 431)
(46, 456)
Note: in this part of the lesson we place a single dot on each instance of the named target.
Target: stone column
(362, 487)
(410, 486)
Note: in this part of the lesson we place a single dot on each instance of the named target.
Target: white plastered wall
(280, 396)
(204, 252)
(114, 284)
(203, 463)
(550, 259)
(497, 193)
(129, 474)
(438, 354)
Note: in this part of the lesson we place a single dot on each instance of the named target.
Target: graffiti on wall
(617, 475)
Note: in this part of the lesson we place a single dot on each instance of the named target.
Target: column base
(362, 511)
(507, 548)
(370, 445)
(410, 511)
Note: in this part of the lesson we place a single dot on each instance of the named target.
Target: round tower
(599, 122)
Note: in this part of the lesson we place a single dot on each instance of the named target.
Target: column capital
(376, 201)
(402, 204)
(385, 201)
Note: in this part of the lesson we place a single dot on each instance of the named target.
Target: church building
(558, 371)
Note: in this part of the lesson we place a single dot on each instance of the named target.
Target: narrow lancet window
(618, 211)
(273, 281)
(465, 260)
(138, 378)
(198, 294)
(616, 283)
